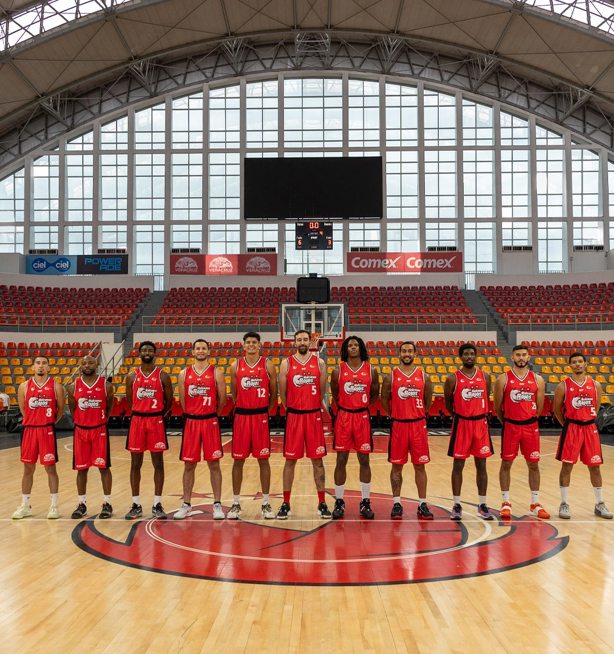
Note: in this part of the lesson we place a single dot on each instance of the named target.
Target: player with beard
(519, 399)
(466, 394)
(90, 399)
(302, 387)
(41, 402)
(253, 386)
(576, 403)
(149, 393)
(407, 394)
(354, 385)
(202, 393)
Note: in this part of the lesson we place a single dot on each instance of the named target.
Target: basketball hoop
(314, 343)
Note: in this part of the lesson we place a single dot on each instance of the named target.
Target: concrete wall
(55, 337)
(543, 280)
(566, 335)
(76, 281)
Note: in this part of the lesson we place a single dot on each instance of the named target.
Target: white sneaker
(23, 511)
(564, 511)
(53, 513)
(218, 512)
(602, 511)
(267, 512)
(182, 512)
(234, 513)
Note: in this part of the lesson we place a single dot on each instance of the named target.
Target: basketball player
(519, 399)
(466, 395)
(149, 393)
(576, 402)
(41, 402)
(354, 385)
(202, 392)
(302, 386)
(253, 385)
(90, 399)
(407, 394)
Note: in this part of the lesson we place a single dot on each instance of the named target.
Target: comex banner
(223, 264)
(404, 262)
(116, 264)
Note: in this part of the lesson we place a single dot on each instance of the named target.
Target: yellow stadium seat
(553, 379)
(609, 389)
(5, 370)
(430, 370)
(538, 361)
(10, 390)
(18, 370)
(20, 379)
(386, 370)
(395, 361)
(438, 389)
(426, 361)
(27, 361)
(121, 389)
(600, 379)
(7, 379)
(591, 369)
(546, 370)
(558, 370)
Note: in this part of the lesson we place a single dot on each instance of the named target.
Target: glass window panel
(550, 183)
(515, 184)
(187, 187)
(46, 190)
(479, 247)
(439, 118)
(12, 199)
(149, 249)
(224, 117)
(514, 130)
(323, 262)
(478, 180)
(588, 232)
(477, 124)
(149, 128)
(586, 195)
(440, 184)
(402, 184)
(516, 233)
(403, 237)
(401, 115)
(187, 121)
(261, 115)
(552, 246)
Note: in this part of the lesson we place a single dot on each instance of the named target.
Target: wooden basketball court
(308, 585)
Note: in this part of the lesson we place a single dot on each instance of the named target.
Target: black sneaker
(339, 509)
(158, 512)
(284, 511)
(106, 511)
(424, 512)
(397, 511)
(323, 511)
(79, 512)
(365, 509)
(136, 511)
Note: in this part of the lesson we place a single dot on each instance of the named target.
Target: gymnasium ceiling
(132, 37)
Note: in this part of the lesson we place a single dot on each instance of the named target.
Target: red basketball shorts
(304, 435)
(39, 443)
(353, 432)
(408, 438)
(582, 441)
(201, 436)
(470, 438)
(250, 435)
(146, 434)
(91, 448)
(516, 437)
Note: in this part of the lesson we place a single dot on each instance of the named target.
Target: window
(440, 184)
(514, 130)
(44, 237)
(478, 180)
(477, 124)
(149, 187)
(225, 117)
(224, 187)
(364, 235)
(114, 187)
(79, 187)
(439, 118)
(149, 249)
(515, 234)
(441, 235)
(224, 238)
(552, 246)
(588, 232)
(401, 115)
(11, 238)
(479, 247)
(187, 187)
(187, 121)
(46, 190)
(83, 142)
(402, 184)
(113, 236)
(515, 184)
(187, 236)
(403, 237)
(264, 235)
(149, 128)
(114, 136)
(12, 199)
(585, 183)
(323, 262)
(78, 239)
(363, 113)
(549, 180)
(261, 102)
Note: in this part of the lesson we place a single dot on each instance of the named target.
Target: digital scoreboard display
(314, 235)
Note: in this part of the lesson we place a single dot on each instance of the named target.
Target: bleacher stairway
(476, 303)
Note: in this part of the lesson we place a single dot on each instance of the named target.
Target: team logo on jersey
(99, 461)
(265, 451)
(485, 450)
(250, 382)
(160, 446)
(471, 393)
(303, 380)
(408, 392)
(423, 459)
(596, 458)
(39, 402)
(320, 449)
(145, 393)
(198, 391)
(365, 447)
(217, 454)
(85, 403)
(340, 553)
(521, 396)
(354, 387)
(49, 458)
(534, 456)
(580, 402)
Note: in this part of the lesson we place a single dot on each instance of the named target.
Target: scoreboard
(314, 235)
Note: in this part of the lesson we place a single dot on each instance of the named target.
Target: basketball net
(314, 343)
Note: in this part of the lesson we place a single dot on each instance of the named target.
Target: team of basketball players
(406, 395)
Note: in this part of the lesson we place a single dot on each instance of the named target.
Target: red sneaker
(506, 511)
(539, 512)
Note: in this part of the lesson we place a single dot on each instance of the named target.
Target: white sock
(534, 497)
(365, 490)
(598, 495)
(265, 498)
(25, 500)
(481, 499)
(82, 499)
(396, 500)
(456, 499)
(54, 499)
(339, 491)
(422, 500)
(564, 494)
(505, 496)
(106, 499)
(136, 499)
(236, 499)
(157, 499)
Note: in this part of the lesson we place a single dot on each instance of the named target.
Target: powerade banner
(102, 264)
(51, 265)
(223, 264)
(404, 262)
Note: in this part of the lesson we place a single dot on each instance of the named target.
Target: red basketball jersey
(200, 391)
(91, 409)
(303, 384)
(253, 390)
(147, 392)
(354, 386)
(470, 396)
(519, 396)
(580, 400)
(407, 395)
(41, 403)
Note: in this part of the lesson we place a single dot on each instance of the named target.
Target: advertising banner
(102, 264)
(404, 262)
(223, 264)
(37, 264)
(187, 264)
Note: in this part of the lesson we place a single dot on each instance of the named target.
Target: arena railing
(557, 321)
(23, 323)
